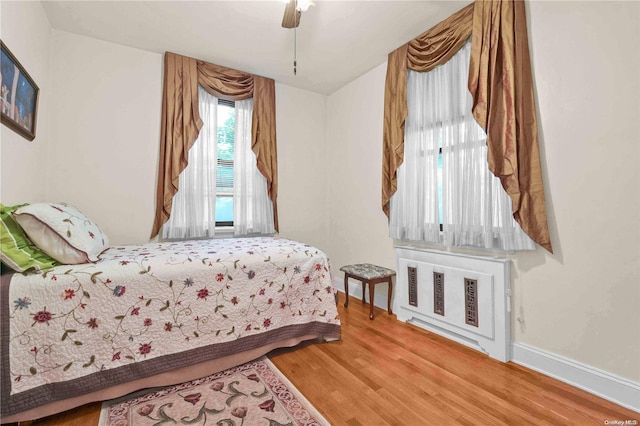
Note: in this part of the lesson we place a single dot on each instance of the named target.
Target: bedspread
(148, 308)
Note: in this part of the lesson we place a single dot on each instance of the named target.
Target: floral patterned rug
(252, 394)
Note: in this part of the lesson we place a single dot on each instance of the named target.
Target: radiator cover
(462, 297)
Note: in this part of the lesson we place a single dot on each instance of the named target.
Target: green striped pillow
(17, 251)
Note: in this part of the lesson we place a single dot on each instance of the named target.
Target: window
(446, 194)
(224, 171)
(221, 185)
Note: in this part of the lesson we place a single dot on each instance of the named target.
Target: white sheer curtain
(193, 211)
(414, 206)
(252, 207)
(474, 209)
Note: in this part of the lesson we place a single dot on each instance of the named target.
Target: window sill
(470, 250)
(224, 232)
(220, 232)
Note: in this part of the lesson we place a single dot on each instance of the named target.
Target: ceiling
(337, 41)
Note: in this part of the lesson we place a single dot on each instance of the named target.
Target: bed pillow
(16, 250)
(62, 231)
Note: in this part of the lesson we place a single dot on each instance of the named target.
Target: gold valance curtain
(501, 85)
(181, 123)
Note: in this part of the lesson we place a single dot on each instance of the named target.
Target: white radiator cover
(492, 334)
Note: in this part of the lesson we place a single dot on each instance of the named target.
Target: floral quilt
(159, 300)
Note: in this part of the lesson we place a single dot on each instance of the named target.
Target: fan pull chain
(295, 32)
(295, 50)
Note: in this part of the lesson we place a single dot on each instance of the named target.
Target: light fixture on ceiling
(292, 12)
(304, 5)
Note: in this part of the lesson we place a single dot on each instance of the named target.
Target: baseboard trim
(616, 389)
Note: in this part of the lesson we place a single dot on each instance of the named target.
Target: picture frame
(18, 96)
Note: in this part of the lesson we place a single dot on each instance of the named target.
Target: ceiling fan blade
(291, 18)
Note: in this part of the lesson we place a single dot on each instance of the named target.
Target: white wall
(302, 165)
(358, 230)
(25, 30)
(106, 128)
(583, 302)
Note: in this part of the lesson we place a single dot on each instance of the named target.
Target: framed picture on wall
(18, 96)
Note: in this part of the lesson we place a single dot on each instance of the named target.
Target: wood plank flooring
(385, 372)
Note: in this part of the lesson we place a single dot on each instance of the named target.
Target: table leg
(389, 296)
(371, 294)
(346, 290)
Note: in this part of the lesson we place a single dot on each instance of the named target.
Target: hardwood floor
(385, 372)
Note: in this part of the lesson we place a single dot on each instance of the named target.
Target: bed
(156, 314)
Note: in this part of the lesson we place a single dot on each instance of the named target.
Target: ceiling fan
(293, 12)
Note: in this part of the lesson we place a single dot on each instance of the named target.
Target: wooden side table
(371, 275)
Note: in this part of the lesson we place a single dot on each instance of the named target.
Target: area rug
(255, 393)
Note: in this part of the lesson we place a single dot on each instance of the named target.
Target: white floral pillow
(62, 231)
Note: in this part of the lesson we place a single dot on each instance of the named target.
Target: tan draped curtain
(501, 85)
(181, 123)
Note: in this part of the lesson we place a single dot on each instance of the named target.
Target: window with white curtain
(221, 188)
(446, 194)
